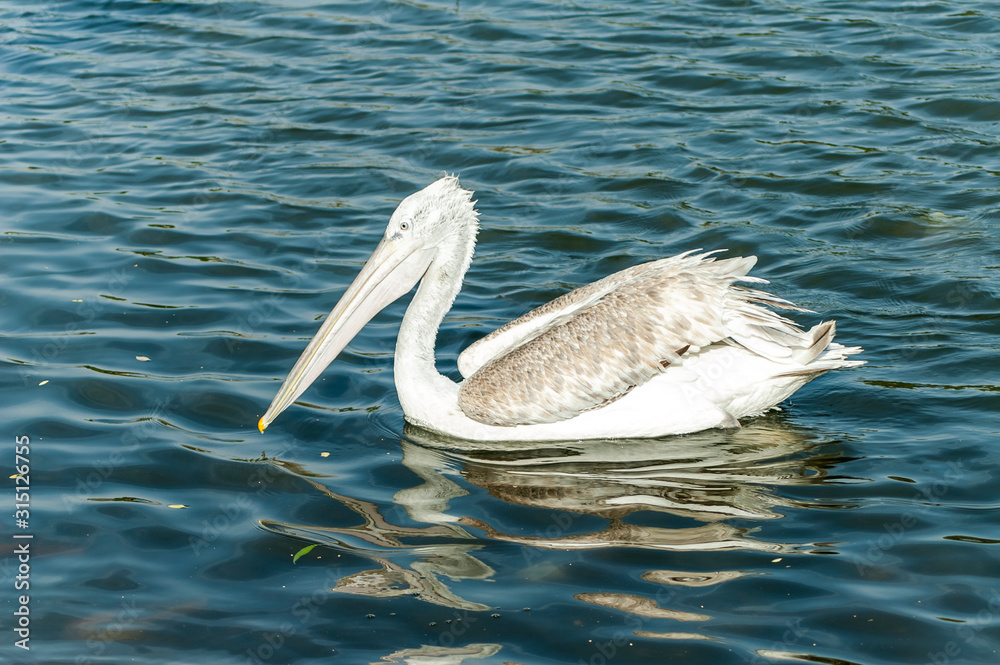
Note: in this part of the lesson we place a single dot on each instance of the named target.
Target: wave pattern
(188, 186)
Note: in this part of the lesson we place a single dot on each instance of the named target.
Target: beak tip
(261, 425)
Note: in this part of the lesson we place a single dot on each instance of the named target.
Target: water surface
(187, 188)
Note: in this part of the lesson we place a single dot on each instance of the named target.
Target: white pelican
(665, 347)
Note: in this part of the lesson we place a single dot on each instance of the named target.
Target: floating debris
(305, 550)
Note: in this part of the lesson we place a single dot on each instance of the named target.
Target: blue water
(187, 187)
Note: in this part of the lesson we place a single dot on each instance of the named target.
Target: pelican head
(437, 225)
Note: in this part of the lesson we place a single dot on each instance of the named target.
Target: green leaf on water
(301, 552)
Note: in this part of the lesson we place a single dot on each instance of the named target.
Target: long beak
(390, 272)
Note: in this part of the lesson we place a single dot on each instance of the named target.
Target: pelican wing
(539, 320)
(592, 345)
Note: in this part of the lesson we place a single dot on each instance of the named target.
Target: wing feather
(553, 313)
(592, 345)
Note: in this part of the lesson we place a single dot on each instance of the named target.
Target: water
(187, 187)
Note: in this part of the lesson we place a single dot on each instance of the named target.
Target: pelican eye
(404, 225)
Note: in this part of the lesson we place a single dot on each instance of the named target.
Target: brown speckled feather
(592, 345)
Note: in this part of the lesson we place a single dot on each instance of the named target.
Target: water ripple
(189, 186)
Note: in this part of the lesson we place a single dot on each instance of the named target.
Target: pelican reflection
(696, 493)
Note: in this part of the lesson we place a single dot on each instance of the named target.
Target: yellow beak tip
(261, 425)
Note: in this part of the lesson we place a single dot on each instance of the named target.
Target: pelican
(666, 347)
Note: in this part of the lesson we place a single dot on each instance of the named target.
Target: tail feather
(821, 334)
(770, 335)
(751, 322)
(834, 358)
